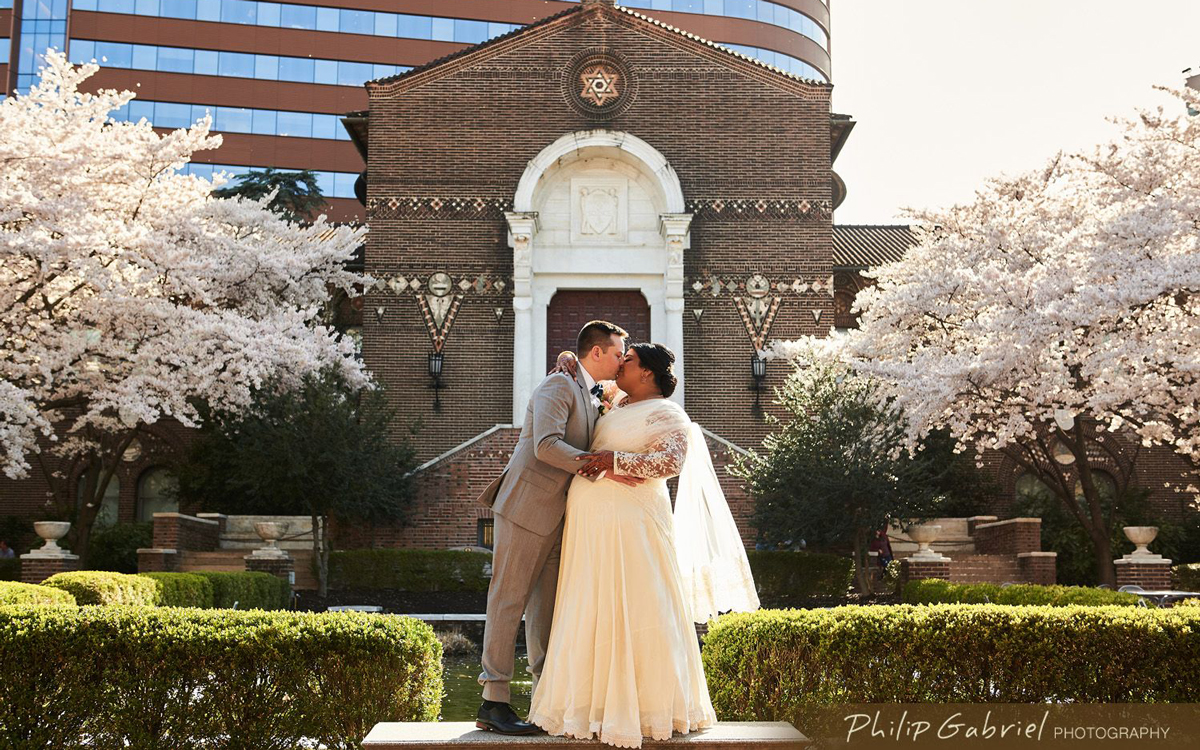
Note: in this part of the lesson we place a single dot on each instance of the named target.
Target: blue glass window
(298, 17)
(167, 115)
(236, 65)
(357, 22)
(239, 11)
(185, 9)
(297, 69)
(264, 122)
(298, 124)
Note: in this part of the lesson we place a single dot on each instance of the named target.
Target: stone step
(730, 735)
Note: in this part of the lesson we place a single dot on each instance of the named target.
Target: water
(463, 693)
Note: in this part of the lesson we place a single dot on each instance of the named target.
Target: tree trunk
(1099, 528)
(321, 554)
(862, 573)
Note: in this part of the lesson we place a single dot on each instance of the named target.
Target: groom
(529, 501)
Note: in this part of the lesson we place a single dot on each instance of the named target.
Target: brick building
(597, 163)
(276, 76)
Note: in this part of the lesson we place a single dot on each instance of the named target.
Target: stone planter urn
(51, 532)
(1141, 536)
(924, 535)
(269, 532)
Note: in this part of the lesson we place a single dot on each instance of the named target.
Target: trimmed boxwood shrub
(408, 570)
(782, 576)
(936, 591)
(105, 587)
(248, 590)
(182, 590)
(781, 665)
(151, 677)
(12, 592)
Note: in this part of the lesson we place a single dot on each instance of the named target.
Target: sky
(949, 92)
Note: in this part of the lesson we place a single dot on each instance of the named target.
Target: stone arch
(558, 244)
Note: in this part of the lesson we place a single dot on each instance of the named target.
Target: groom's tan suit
(529, 501)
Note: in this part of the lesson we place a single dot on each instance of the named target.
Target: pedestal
(277, 563)
(731, 735)
(912, 569)
(1040, 568)
(36, 568)
(1151, 572)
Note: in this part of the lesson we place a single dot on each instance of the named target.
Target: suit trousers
(524, 582)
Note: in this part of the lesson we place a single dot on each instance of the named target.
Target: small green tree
(836, 472)
(323, 450)
(298, 197)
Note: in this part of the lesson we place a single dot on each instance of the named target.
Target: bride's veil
(712, 558)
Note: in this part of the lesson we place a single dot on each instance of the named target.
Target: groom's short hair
(597, 333)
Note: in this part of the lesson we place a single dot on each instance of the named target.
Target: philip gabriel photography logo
(1012, 725)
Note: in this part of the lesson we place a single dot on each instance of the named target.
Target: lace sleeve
(663, 459)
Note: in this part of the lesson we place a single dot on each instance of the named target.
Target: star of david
(599, 85)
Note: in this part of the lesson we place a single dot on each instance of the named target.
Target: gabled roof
(578, 10)
(859, 246)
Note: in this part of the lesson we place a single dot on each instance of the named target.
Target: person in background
(881, 545)
(6, 552)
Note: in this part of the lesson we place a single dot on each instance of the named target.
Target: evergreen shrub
(12, 592)
(247, 589)
(105, 587)
(776, 665)
(147, 677)
(936, 591)
(182, 590)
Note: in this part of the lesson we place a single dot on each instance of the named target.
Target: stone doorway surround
(596, 209)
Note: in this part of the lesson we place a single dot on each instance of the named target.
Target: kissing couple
(588, 549)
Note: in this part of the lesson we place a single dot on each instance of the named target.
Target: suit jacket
(532, 491)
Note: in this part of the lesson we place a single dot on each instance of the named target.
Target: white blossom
(1068, 291)
(127, 289)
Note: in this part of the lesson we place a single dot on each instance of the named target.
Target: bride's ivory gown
(623, 661)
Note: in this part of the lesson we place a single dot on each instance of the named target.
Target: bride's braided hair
(658, 359)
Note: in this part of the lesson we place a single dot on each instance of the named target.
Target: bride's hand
(622, 479)
(598, 462)
(567, 362)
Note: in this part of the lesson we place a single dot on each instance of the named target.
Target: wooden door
(570, 310)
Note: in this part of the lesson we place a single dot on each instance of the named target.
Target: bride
(623, 660)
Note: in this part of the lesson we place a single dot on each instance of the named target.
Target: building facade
(277, 76)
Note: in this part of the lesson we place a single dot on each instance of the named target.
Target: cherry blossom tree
(129, 293)
(1055, 308)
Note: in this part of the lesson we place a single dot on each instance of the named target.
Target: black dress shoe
(502, 719)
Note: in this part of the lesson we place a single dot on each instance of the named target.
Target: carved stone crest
(599, 212)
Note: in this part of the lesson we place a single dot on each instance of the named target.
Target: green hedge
(408, 570)
(248, 590)
(782, 576)
(180, 678)
(105, 587)
(182, 590)
(1186, 577)
(12, 592)
(935, 591)
(782, 665)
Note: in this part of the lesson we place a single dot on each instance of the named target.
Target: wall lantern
(758, 369)
(435, 372)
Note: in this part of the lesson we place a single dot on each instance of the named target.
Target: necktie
(597, 391)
